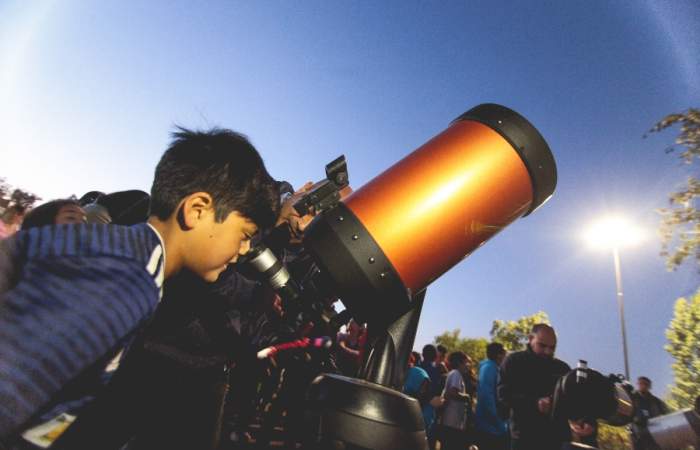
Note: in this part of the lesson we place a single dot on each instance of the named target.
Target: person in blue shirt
(491, 429)
(72, 295)
(418, 386)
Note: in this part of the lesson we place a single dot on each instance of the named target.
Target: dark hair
(222, 163)
(416, 357)
(494, 349)
(429, 353)
(441, 348)
(645, 379)
(536, 328)
(45, 214)
(457, 358)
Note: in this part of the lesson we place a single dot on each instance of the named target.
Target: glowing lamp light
(613, 232)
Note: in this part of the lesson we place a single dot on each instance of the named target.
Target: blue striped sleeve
(64, 314)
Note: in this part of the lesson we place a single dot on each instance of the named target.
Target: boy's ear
(195, 207)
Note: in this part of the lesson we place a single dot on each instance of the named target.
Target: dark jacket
(525, 378)
(169, 391)
(647, 406)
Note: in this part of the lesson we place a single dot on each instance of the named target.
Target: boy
(70, 295)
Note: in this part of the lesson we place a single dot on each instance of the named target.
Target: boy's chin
(213, 275)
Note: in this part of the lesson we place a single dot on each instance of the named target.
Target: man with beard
(526, 386)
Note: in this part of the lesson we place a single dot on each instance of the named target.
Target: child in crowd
(72, 294)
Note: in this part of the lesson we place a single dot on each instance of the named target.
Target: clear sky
(90, 91)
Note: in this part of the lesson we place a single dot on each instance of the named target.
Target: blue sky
(90, 91)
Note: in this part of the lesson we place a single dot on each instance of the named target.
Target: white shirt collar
(160, 277)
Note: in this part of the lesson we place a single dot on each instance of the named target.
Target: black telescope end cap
(356, 266)
(527, 141)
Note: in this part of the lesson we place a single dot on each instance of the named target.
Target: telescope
(586, 394)
(380, 248)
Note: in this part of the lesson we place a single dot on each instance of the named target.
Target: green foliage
(513, 334)
(613, 438)
(683, 336)
(474, 347)
(680, 222)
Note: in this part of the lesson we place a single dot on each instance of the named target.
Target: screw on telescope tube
(355, 237)
(382, 275)
(371, 259)
(341, 218)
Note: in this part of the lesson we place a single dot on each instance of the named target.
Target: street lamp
(614, 233)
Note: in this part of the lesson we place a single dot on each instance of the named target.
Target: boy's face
(214, 245)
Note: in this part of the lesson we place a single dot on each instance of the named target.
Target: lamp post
(612, 233)
(621, 308)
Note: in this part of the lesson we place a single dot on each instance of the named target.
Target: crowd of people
(128, 311)
(505, 401)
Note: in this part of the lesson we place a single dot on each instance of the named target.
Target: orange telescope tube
(448, 197)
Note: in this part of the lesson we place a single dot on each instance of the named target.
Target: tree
(23, 199)
(474, 347)
(15, 197)
(513, 334)
(613, 438)
(683, 336)
(680, 222)
(4, 187)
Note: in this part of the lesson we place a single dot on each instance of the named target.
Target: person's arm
(297, 223)
(663, 407)
(505, 389)
(424, 396)
(454, 393)
(344, 347)
(291, 217)
(582, 428)
(58, 320)
(454, 388)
